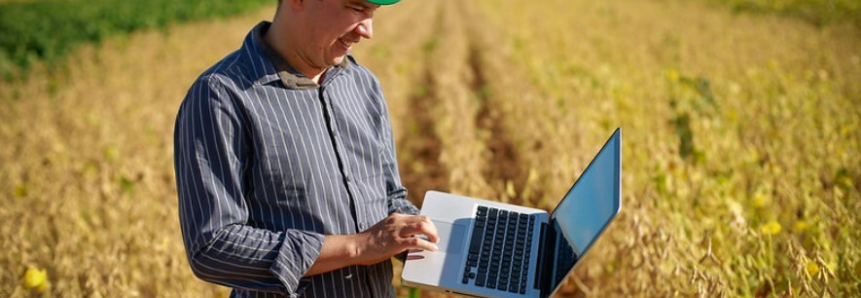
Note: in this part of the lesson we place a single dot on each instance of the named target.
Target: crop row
(739, 177)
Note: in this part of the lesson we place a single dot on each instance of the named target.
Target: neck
(282, 40)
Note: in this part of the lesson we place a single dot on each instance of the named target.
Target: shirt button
(348, 177)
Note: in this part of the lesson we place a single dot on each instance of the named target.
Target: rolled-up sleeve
(211, 158)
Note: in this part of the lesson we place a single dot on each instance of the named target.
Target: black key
(472, 263)
(480, 281)
(465, 280)
(502, 287)
(471, 275)
(522, 289)
(482, 270)
(491, 285)
(475, 243)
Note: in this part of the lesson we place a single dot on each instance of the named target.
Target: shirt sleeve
(211, 155)
(395, 190)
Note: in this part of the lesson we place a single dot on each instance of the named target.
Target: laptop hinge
(542, 246)
(547, 255)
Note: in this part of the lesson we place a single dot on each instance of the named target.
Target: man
(287, 179)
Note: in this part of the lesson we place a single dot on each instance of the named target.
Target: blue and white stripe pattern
(267, 162)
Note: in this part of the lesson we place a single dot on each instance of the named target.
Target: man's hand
(389, 237)
(393, 235)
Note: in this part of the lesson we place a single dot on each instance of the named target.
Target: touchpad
(451, 237)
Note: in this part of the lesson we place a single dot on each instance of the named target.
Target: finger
(421, 228)
(419, 243)
(428, 228)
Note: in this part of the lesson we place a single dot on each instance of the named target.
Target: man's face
(334, 27)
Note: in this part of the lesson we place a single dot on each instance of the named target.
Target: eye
(357, 9)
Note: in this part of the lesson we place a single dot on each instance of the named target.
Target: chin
(339, 59)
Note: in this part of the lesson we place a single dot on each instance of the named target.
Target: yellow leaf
(111, 153)
(509, 189)
(800, 226)
(812, 268)
(20, 191)
(35, 278)
(760, 200)
(771, 228)
(673, 75)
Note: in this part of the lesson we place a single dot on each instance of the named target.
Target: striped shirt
(267, 162)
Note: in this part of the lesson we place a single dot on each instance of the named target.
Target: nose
(365, 29)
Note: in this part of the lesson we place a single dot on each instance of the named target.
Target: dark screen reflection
(586, 209)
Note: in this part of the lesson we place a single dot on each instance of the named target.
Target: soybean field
(741, 145)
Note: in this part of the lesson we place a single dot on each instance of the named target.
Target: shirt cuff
(297, 254)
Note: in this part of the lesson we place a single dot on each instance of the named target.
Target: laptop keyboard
(499, 250)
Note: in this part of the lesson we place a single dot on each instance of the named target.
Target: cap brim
(384, 2)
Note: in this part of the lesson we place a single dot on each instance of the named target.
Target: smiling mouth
(345, 43)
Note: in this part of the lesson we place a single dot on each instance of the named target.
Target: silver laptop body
(492, 249)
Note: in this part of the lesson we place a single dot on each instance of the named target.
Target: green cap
(383, 2)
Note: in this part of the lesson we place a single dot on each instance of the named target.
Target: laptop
(492, 249)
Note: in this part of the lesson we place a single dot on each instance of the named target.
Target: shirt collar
(268, 65)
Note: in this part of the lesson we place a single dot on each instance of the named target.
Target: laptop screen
(587, 209)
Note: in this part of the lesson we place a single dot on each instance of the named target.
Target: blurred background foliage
(819, 12)
(742, 137)
(49, 30)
